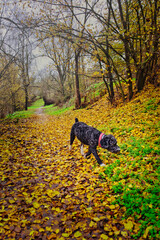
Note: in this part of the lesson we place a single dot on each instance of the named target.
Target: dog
(92, 137)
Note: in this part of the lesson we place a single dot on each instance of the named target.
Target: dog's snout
(118, 149)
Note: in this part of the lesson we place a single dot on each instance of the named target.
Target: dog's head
(109, 142)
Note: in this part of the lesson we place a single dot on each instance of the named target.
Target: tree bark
(126, 47)
(110, 76)
(78, 96)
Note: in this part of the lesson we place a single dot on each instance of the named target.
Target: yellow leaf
(77, 234)
(128, 225)
(124, 234)
(107, 227)
(57, 231)
(103, 236)
(117, 232)
(6, 227)
(112, 207)
(36, 221)
(92, 224)
(41, 230)
(49, 229)
(31, 233)
(65, 234)
(32, 211)
(52, 193)
(96, 219)
(28, 200)
(36, 205)
(52, 236)
(147, 231)
(58, 210)
(89, 209)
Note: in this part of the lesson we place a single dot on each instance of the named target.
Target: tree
(24, 61)
(16, 44)
(59, 51)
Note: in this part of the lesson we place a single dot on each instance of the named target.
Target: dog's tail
(76, 120)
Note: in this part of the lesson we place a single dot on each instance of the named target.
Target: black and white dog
(92, 137)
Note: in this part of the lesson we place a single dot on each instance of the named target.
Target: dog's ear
(105, 142)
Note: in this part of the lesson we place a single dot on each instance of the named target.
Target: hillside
(48, 192)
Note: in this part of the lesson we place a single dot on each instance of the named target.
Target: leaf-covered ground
(48, 192)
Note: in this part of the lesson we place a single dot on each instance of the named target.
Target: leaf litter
(48, 192)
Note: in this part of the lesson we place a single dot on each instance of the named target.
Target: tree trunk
(130, 89)
(78, 96)
(126, 47)
(104, 80)
(26, 97)
(142, 75)
(111, 84)
(110, 76)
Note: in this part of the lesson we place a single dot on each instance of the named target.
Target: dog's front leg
(82, 152)
(94, 151)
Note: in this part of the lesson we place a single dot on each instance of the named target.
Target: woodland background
(57, 50)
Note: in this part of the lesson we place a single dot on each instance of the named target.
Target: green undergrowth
(20, 114)
(37, 104)
(134, 179)
(49, 109)
(135, 184)
(93, 93)
(54, 110)
(25, 114)
(134, 176)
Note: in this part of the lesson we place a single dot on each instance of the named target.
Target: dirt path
(39, 111)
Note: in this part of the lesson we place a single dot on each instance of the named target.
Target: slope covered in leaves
(48, 192)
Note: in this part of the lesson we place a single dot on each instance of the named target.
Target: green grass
(141, 199)
(50, 109)
(53, 110)
(20, 114)
(139, 147)
(37, 104)
(143, 205)
(151, 105)
(24, 113)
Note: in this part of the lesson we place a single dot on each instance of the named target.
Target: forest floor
(47, 192)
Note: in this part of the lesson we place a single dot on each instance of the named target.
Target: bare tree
(24, 61)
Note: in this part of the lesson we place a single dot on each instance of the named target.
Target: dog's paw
(70, 147)
(102, 165)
